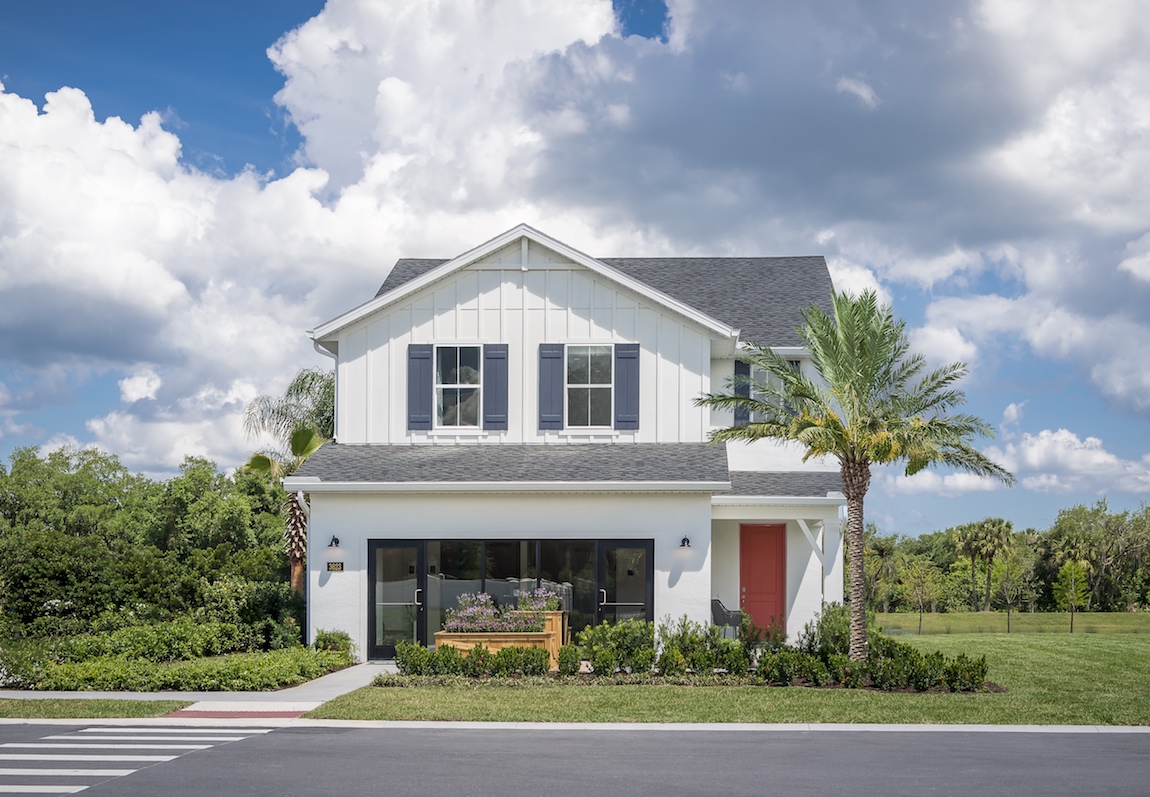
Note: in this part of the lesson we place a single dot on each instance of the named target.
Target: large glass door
(625, 575)
(397, 591)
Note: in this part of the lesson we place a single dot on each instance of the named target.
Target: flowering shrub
(478, 613)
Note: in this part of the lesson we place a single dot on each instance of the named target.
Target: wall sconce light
(685, 544)
(334, 556)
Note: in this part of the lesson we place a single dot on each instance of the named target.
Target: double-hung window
(454, 386)
(589, 386)
(457, 386)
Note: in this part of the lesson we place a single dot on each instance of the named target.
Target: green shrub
(605, 661)
(334, 640)
(630, 644)
(732, 656)
(814, 671)
(478, 662)
(927, 672)
(412, 658)
(535, 661)
(672, 662)
(507, 661)
(782, 666)
(691, 639)
(844, 672)
(447, 661)
(887, 673)
(570, 660)
(238, 672)
(965, 674)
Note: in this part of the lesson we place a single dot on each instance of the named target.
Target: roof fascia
(520, 231)
(310, 484)
(830, 499)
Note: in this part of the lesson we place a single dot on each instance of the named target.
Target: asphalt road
(438, 762)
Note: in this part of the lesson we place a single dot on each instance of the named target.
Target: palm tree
(994, 538)
(967, 543)
(302, 420)
(304, 442)
(872, 405)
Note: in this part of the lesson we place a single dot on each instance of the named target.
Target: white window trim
(567, 425)
(436, 386)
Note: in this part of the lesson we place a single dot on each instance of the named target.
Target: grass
(1075, 680)
(87, 709)
(896, 623)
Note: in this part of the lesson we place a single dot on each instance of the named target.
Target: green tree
(1072, 590)
(967, 543)
(1010, 577)
(309, 400)
(922, 583)
(304, 442)
(873, 403)
(993, 538)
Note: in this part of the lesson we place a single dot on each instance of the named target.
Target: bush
(691, 639)
(412, 658)
(334, 640)
(844, 672)
(965, 674)
(605, 661)
(447, 660)
(570, 660)
(629, 645)
(783, 666)
(507, 661)
(478, 662)
(238, 672)
(535, 661)
(732, 656)
(672, 662)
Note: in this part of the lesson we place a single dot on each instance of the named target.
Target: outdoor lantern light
(686, 543)
(334, 556)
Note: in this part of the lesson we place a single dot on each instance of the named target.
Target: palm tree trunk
(296, 574)
(986, 606)
(856, 480)
(295, 537)
(973, 586)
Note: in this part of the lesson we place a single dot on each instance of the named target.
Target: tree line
(1090, 559)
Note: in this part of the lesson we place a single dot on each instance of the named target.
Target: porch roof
(695, 466)
(803, 484)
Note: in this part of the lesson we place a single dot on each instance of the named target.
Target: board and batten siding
(523, 301)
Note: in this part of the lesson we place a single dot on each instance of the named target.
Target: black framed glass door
(625, 572)
(397, 590)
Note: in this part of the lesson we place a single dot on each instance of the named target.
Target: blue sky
(217, 178)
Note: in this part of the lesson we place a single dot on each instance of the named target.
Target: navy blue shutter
(420, 387)
(551, 385)
(742, 415)
(495, 386)
(626, 385)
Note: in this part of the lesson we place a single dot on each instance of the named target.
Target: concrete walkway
(284, 703)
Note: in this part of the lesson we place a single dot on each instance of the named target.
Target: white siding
(500, 300)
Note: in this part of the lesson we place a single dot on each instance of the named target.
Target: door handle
(603, 595)
(416, 599)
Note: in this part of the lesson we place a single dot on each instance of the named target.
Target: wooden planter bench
(554, 634)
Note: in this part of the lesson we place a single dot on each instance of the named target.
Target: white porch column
(833, 560)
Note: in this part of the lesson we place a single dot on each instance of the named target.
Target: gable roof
(761, 296)
(663, 466)
(438, 270)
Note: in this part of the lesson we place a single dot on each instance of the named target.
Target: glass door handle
(603, 595)
(416, 599)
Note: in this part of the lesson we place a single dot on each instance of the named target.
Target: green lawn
(87, 709)
(1080, 680)
(896, 623)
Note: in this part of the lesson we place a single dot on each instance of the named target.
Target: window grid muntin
(451, 383)
(604, 389)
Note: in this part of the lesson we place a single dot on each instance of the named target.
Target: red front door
(763, 574)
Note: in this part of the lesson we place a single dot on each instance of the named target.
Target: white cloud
(930, 482)
(859, 88)
(942, 345)
(1011, 418)
(141, 385)
(1059, 461)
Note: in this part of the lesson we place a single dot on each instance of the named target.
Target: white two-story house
(523, 415)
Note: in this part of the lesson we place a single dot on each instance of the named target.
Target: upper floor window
(763, 378)
(457, 385)
(589, 386)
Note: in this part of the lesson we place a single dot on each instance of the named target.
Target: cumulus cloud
(1059, 461)
(1003, 178)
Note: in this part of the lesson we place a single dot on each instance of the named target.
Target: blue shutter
(420, 386)
(626, 385)
(495, 386)
(742, 369)
(551, 385)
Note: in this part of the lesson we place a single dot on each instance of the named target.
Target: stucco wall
(339, 600)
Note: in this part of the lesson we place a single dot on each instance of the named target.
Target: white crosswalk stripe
(49, 765)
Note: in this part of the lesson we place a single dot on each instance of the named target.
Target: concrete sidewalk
(284, 703)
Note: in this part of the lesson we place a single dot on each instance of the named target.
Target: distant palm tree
(993, 539)
(967, 543)
(871, 404)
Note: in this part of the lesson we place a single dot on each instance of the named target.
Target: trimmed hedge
(238, 672)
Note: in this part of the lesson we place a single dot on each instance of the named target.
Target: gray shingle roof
(640, 462)
(791, 483)
(762, 296)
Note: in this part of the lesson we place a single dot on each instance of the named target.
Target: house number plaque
(335, 567)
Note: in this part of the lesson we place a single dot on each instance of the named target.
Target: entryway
(412, 583)
(763, 573)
